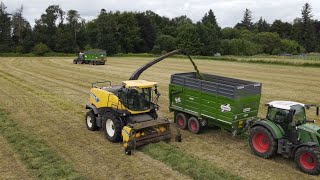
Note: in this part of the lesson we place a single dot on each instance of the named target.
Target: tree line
(148, 32)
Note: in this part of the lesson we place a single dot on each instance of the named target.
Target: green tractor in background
(93, 57)
(286, 131)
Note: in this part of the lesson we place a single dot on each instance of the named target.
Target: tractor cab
(287, 114)
(137, 95)
(81, 56)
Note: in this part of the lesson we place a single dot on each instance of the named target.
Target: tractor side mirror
(317, 111)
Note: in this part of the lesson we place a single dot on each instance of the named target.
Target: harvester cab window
(137, 99)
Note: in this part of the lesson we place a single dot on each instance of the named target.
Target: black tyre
(262, 143)
(91, 121)
(127, 151)
(75, 61)
(194, 125)
(91, 62)
(111, 126)
(307, 160)
(181, 120)
(94, 63)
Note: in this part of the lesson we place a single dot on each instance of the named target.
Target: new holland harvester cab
(287, 131)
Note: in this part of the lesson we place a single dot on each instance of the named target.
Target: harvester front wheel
(262, 143)
(91, 121)
(181, 120)
(307, 160)
(194, 125)
(111, 126)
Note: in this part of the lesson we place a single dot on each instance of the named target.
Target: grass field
(42, 100)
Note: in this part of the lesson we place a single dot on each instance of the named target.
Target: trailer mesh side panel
(223, 86)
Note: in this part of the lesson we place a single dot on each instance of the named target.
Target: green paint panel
(221, 101)
(95, 55)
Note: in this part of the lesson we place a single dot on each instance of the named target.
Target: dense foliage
(145, 32)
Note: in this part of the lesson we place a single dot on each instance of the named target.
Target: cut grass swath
(38, 158)
(186, 164)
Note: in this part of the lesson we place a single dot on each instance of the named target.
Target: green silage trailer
(93, 57)
(211, 100)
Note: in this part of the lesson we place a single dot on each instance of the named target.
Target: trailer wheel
(111, 126)
(194, 125)
(307, 160)
(91, 62)
(262, 143)
(181, 120)
(91, 121)
(94, 63)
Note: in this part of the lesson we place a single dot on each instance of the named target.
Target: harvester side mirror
(317, 111)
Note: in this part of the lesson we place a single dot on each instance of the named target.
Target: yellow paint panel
(139, 83)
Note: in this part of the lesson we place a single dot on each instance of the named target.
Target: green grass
(186, 164)
(240, 59)
(42, 162)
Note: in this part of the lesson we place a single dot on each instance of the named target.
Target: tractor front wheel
(91, 121)
(307, 160)
(111, 126)
(262, 143)
(181, 120)
(194, 125)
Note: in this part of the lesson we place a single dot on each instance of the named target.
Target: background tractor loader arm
(139, 71)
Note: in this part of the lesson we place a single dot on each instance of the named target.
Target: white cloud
(228, 12)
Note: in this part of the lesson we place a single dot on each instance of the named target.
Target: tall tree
(188, 39)
(73, 24)
(262, 25)
(21, 32)
(246, 21)
(147, 32)
(5, 29)
(210, 33)
(46, 28)
(284, 29)
(308, 33)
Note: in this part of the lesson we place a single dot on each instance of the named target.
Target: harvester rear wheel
(262, 143)
(194, 125)
(307, 160)
(91, 121)
(181, 120)
(111, 126)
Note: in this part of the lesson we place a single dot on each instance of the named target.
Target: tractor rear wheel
(262, 143)
(307, 160)
(194, 125)
(181, 120)
(111, 126)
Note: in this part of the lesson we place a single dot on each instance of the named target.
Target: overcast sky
(228, 12)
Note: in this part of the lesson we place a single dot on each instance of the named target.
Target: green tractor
(286, 131)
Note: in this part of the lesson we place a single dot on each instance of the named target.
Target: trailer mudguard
(276, 131)
(94, 109)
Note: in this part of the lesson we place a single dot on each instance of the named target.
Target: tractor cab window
(278, 115)
(299, 115)
(136, 99)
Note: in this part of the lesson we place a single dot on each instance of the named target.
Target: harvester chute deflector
(139, 71)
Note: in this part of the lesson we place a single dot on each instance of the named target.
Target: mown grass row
(186, 164)
(232, 59)
(42, 162)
